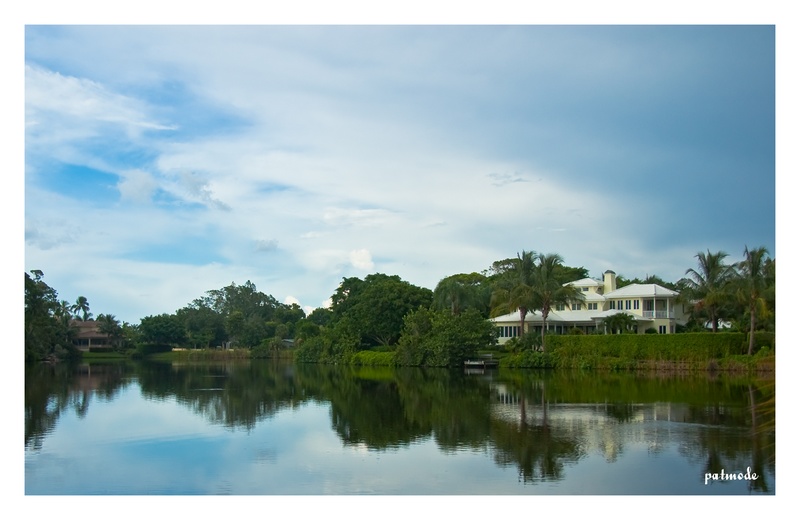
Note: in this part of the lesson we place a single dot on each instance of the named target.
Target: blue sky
(165, 161)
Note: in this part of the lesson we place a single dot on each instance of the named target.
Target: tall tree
(515, 287)
(461, 291)
(753, 286)
(548, 290)
(47, 336)
(374, 308)
(708, 285)
(82, 306)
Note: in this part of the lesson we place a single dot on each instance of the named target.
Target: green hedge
(626, 351)
(373, 358)
(152, 348)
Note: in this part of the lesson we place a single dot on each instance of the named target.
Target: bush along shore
(689, 351)
(722, 352)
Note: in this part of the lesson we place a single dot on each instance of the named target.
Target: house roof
(87, 329)
(585, 282)
(536, 317)
(639, 290)
(567, 316)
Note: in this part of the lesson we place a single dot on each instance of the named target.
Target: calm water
(276, 429)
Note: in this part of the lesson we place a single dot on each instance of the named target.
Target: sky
(165, 161)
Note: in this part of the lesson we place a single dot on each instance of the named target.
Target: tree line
(384, 313)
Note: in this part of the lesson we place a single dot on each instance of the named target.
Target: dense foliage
(47, 334)
(382, 319)
(440, 338)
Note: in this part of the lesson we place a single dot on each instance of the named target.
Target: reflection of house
(88, 335)
(651, 305)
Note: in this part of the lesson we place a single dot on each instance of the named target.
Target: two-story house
(651, 305)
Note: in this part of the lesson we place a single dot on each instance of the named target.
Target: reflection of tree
(539, 450)
(235, 394)
(549, 420)
(50, 390)
(752, 411)
(454, 407)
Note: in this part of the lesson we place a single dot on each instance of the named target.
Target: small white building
(651, 305)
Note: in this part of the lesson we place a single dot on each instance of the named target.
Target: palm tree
(753, 286)
(82, 306)
(108, 324)
(708, 285)
(619, 323)
(515, 291)
(63, 311)
(547, 290)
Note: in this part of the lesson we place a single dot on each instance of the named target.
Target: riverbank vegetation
(384, 320)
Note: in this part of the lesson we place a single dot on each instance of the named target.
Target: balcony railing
(658, 314)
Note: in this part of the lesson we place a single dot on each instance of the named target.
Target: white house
(651, 305)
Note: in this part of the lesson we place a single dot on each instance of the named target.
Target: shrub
(374, 358)
(147, 349)
(622, 350)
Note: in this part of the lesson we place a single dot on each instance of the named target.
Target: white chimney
(609, 281)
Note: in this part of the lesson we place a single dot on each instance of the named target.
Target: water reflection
(539, 424)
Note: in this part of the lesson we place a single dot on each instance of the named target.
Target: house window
(576, 306)
(508, 331)
(636, 304)
(627, 305)
(559, 306)
(585, 289)
(662, 329)
(612, 305)
(592, 306)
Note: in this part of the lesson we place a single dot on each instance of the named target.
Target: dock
(486, 362)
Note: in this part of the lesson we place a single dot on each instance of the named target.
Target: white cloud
(361, 259)
(411, 156)
(79, 107)
(136, 186)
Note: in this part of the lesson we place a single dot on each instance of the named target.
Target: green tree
(374, 308)
(460, 291)
(752, 286)
(47, 336)
(162, 329)
(320, 316)
(708, 286)
(109, 325)
(440, 338)
(547, 290)
(515, 279)
(204, 326)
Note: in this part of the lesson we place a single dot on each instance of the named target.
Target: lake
(268, 428)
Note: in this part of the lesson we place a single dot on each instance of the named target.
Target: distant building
(651, 305)
(88, 335)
